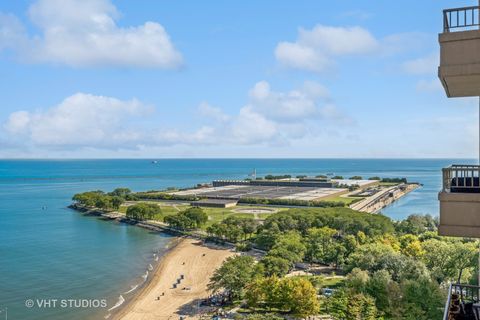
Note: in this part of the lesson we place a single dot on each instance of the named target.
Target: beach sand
(190, 258)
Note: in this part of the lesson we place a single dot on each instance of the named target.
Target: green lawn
(388, 184)
(332, 282)
(325, 281)
(346, 200)
(214, 214)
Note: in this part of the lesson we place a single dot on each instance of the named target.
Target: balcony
(459, 69)
(460, 201)
(462, 303)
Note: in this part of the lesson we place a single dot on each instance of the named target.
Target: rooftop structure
(313, 182)
(214, 203)
(263, 192)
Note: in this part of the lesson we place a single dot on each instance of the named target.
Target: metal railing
(460, 297)
(461, 178)
(461, 19)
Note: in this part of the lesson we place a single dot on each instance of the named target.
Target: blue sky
(100, 78)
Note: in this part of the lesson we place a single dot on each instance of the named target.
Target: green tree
(196, 215)
(121, 192)
(357, 279)
(289, 246)
(299, 297)
(117, 202)
(349, 305)
(143, 211)
(320, 244)
(421, 300)
(446, 259)
(179, 221)
(275, 266)
(234, 275)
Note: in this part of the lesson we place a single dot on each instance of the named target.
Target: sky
(229, 79)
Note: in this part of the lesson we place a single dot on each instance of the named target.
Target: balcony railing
(461, 19)
(461, 178)
(462, 302)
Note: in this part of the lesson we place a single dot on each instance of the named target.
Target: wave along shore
(160, 299)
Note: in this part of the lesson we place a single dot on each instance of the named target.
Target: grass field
(346, 200)
(214, 214)
(388, 184)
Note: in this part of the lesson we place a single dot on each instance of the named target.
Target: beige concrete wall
(459, 68)
(459, 214)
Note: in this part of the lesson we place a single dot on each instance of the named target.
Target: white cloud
(422, 66)
(79, 120)
(212, 112)
(84, 33)
(306, 103)
(315, 49)
(12, 32)
(96, 122)
(251, 127)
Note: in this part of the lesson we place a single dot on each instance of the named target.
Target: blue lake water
(50, 252)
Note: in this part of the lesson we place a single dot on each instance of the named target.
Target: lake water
(50, 252)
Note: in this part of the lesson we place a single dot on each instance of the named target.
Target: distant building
(214, 203)
(310, 182)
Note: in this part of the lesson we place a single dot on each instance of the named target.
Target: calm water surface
(50, 252)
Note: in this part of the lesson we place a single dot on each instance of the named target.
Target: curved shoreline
(190, 260)
(137, 292)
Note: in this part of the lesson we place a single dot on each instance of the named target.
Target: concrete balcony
(460, 201)
(459, 68)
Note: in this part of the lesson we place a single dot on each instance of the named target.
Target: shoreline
(384, 198)
(189, 257)
(133, 295)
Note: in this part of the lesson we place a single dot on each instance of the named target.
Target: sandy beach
(190, 258)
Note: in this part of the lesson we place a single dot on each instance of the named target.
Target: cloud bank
(86, 120)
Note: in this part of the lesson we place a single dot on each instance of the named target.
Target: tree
(357, 280)
(91, 199)
(289, 246)
(446, 259)
(197, 215)
(380, 286)
(356, 178)
(179, 221)
(295, 295)
(411, 246)
(264, 292)
(266, 238)
(421, 299)
(299, 297)
(378, 256)
(320, 244)
(121, 192)
(417, 224)
(234, 275)
(275, 266)
(143, 211)
(349, 305)
(190, 218)
(117, 202)
(103, 202)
